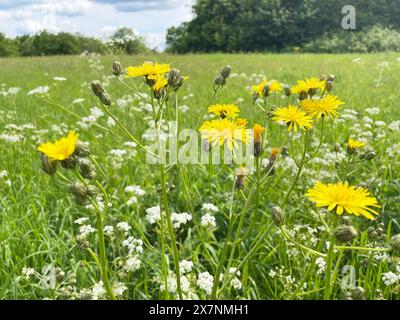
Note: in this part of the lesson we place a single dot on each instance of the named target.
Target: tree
(125, 40)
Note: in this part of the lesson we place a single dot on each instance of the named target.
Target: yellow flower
(343, 198)
(160, 82)
(273, 85)
(293, 117)
(61, 149)
(241, 122)
(223, 131)
(224, 110)
(259, 88)
(353, 145)
(326, 106)
(258, 131)
(148, 69)
(309, 85)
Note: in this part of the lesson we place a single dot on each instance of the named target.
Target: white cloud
(99, 18)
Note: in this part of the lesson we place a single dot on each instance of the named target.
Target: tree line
(123, 41)
(281, 25)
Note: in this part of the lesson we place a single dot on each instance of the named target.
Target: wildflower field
(92, 208)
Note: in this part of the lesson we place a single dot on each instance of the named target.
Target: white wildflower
(208, 221)
(205, 281)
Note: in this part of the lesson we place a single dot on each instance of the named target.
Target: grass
(37, 212)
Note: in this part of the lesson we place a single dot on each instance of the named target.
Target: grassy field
(40, 221)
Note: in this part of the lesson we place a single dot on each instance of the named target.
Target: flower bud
(92, 191)
(105, 99)
(277, 215)
(285, 151)
(81, 149)
(69, 163)
(116, 68)
(258, 148)
(395, 242)
(86, 168)
(345, 233)
(287, 90)
(79, 190)
(337, 147)
(220, 80)
(303, 95)
(358, 293)
(240, 175)
(323, 77)
(49, 166)
(266, 91)
(331, 77)
(255, 97)
(174, 78)
(97, 88)
(370, 155)
(226, 71)
(329, 86)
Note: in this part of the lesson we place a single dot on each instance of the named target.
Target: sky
(99, 18)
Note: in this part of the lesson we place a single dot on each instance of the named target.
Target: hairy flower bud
(92, 191)
(331, 77)
(395, 242)
(86, 168)
(329, 86)
(358, 293)
(220, 80)
(49, 166)
(240, 175)
(266, 91)
(82, 242)
(370, 155)
(97, 88)
(287, 90)
(226, 71)
(105, 99)
(345, 233)
(174, 78)
(79, 190)
(116, 68)
(69, 163)
(81, 149)
(277, 215)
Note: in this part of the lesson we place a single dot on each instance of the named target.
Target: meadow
(49, 243)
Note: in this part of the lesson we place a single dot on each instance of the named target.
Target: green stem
(362, 248)
(314, 252)
(299, 171)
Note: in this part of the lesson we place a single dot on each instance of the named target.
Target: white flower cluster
(205, 281)
(133, 245)
(88, 121)
(137, 191)
(180, 218)
(235, 282)
(39, 90)
(321, 264)
(185, 266)
(133, 263)
(153, 214)
(390, 278)
(123, 226)
(98, 291)
(208, 221)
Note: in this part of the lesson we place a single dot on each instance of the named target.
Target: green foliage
(124, 41)
(374, 40)
(272, 25)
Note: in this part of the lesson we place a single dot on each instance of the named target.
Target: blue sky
(149, 18)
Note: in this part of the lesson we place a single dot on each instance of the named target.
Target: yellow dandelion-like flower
(343, 198)
(223, 131)
(148, 69)
(326, 106)
(309, 85)
(354, 145)
(258, 131)
(160, 82)
(224, 110)
(294, 117)
(259, 88)
(275, 86)
(241, 122)
(61, 149)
